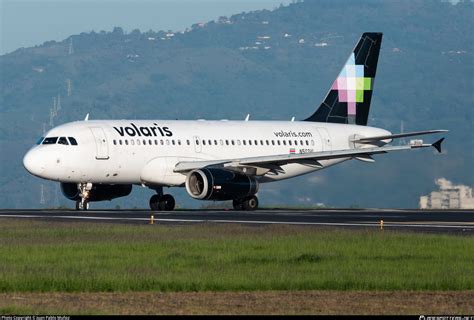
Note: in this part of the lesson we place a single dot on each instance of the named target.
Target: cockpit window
(40, 140)
(72, 141)
(63, 140)
(50, 140)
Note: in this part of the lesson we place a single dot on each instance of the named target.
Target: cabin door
(101, 145)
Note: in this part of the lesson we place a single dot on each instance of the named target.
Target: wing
(313, 158)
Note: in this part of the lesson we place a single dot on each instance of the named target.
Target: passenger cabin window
(63, 140)
(72, 141)
(50, 140)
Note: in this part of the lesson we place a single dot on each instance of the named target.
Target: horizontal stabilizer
(437, 144)
(398, 135)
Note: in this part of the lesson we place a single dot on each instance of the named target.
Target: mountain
(271, 64)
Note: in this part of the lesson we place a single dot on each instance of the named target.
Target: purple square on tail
(351, 108)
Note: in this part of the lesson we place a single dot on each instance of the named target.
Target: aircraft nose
(32, 163)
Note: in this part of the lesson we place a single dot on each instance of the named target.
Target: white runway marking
(355, 224)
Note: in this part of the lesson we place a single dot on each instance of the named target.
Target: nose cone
(33, 163)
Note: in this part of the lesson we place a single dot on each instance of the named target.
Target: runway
(451, 221)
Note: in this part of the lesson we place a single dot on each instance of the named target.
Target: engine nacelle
(219, 184)
(99, 192)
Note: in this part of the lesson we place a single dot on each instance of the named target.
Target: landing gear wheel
(237, 203)
(167, 203)
(80, 205)
(250, 204)
(155, 202)
(247, 204)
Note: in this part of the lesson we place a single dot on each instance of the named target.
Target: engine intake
(219, 184)
(99, 192)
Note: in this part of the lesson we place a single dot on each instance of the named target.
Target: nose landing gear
(84, 192)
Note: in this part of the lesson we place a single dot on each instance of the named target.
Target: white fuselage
(146, 151)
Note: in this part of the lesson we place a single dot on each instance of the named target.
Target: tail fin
(348, 100)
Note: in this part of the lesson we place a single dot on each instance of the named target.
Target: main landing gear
(247, 204)
(162, 202)
(84, 192)
(166, 202)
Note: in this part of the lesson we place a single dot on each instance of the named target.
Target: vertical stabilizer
(348, 100)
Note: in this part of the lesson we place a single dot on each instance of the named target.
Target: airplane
(97, 160)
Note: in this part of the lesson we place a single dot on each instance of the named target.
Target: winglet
(437, 145)
(86, 118)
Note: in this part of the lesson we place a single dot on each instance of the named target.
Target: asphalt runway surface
(445, 221)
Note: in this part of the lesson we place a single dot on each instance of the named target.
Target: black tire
(80, 207)
(250, 204)
(167, 203)
(237, 204)
(155, 202)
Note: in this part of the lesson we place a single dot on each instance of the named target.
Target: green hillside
(272, 64)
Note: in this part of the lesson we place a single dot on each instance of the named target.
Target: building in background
(449, 196)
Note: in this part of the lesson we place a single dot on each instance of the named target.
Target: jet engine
(219, 184)
(99, 192)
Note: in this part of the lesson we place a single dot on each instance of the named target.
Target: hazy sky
(26, 23)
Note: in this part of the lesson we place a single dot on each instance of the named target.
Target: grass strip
(39, 256)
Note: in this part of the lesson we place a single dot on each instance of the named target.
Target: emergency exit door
(197, 144)
(325, 139)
